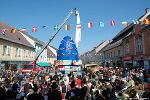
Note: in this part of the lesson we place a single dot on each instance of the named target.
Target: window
(25, 53)
(29, 53)
(6, 50)
(127, 50)
(18, 52)
(114, 54)
(111, 54)
(139, 46)
(119, 53)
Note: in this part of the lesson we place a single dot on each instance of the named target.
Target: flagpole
(52, 37)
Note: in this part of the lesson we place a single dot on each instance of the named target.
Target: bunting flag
(34, 29)
(56, 27)
(78, 30)
(146, 21)
(2, 31)
(112, 23)
(90, 25)
(23, 30)
(13, 30)
(101, 24)
(43, 26)
(135, 22)
(124, 23)
(67, 27)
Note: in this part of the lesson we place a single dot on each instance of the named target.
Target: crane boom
(55, 33)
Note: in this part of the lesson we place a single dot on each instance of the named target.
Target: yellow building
(15, 49)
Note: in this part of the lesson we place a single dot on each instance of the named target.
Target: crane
(74, 11)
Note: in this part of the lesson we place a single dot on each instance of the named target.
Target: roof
(102, 45)
(123, 31)
(144, 16)
(131, 24)
(50, 54)
(33, 38)
(16, 37)
(113, 45)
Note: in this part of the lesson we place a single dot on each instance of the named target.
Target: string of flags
(67, 27)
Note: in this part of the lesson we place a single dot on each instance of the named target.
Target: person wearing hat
(54, 94)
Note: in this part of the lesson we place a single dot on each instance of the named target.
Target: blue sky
(29, 13)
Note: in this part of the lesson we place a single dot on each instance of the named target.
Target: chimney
(147, 10)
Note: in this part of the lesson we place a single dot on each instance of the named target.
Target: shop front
(13, 65)
(142, 61)
(128, 61)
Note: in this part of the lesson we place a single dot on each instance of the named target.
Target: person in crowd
(98, 96)
(54, 94)
(27, 86)
(78, 81)
(16, 89)
(2, 91)
(130, 83)
(84, 93)
(66, 80)
(73, 91)
(63, 89)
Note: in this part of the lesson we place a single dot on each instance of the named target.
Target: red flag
(112, 23)
(2, 31)
(90, 25)
(34, 29)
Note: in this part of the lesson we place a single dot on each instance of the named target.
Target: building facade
(47, 57)
(130, 47)
(15, 50)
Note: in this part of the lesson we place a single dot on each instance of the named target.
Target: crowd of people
(109, 83)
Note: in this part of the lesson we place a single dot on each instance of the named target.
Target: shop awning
(43, 64)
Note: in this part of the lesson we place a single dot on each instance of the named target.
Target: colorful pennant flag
(56, 27)
(2, 31)
(112, 23)
(146, 21)
(13, 30)
(34, 29)
(124, 23)
(78, 30)
(23, 30)
(67, 27)
(101, 24)
(43, 26)
(90, 25)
